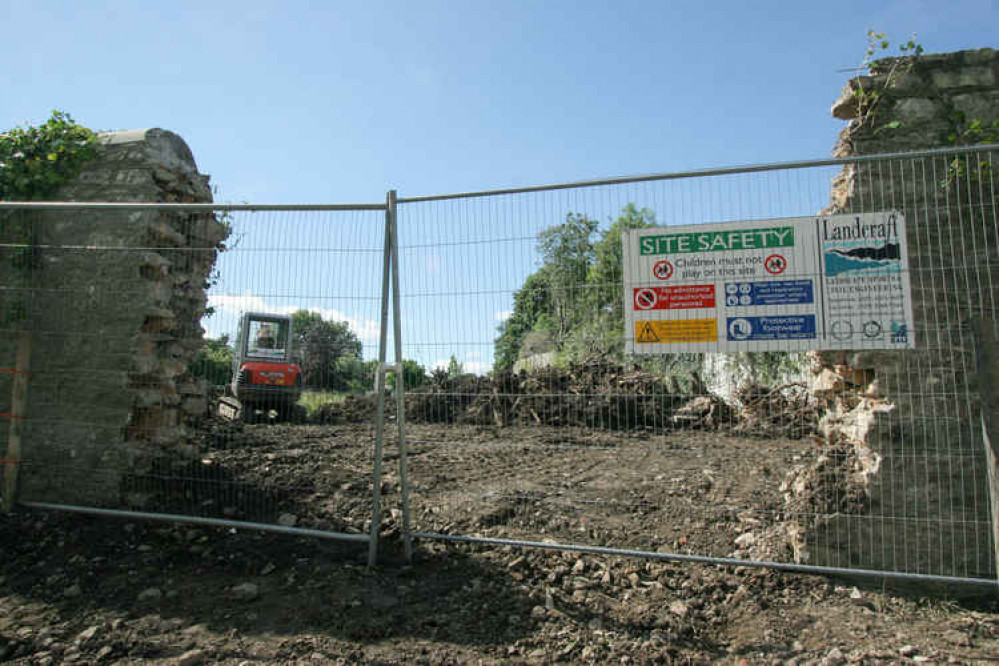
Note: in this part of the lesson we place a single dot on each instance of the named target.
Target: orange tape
(11, 416)
(9, 462)
(15, 371)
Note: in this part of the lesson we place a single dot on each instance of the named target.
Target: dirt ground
(78, 589)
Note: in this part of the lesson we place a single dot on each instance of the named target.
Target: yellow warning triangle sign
(647, 333)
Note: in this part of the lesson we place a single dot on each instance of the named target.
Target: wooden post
(18, 412)
(987, 341)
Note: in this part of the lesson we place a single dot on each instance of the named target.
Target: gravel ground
(76, 589)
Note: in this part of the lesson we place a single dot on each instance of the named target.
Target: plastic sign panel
(834, 282)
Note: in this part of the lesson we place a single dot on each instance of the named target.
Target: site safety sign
(832, 282)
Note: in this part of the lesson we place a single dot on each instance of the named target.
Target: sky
(337, 102)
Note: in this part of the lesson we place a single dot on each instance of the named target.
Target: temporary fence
(565, 403)
(106, 299)
(865, 456)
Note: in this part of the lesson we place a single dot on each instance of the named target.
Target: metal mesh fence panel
(129, 357)
(534, 423)
(530, 417)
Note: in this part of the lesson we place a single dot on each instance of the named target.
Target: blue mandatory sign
(788, 327)
(778, 292)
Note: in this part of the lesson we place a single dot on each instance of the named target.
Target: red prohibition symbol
(646, 299)
(775, 264)
(662, 270)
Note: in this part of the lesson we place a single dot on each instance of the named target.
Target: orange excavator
(266, 381)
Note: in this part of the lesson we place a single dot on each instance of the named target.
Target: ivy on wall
(34, 162)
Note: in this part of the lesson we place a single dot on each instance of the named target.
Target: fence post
(986, 340)
(376, 489)
(18, 409)
(400, 385)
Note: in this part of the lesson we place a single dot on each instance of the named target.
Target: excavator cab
(265, 377)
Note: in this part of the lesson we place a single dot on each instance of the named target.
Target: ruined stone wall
(114, 300)
(906, 424)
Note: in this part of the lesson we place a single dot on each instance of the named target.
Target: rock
(834, 657)
(845, 108)
(190, 658)
(104, 652)
(72, 591)
(269, 568)
(88, 634)
(150, 595)
(827, 382)
(287, 519)
(745, 540)
(245, 592)
(678, 608)
(538, 612)
(908, 650)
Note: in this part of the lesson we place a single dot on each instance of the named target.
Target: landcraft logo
(856, 246)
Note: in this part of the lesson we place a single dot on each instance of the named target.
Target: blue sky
(338, 102)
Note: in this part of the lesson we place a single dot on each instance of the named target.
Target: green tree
(575, 298)
(531, 303)
(326, 351)
(600, 329)
(413, 374)
(213, 361)
(361, 374)
(453, 367)
(567, 252)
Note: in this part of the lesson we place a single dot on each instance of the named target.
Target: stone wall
(114, 300)
(905, 424)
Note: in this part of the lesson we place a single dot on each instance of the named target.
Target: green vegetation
(313, 401)
(328, 351)
(413, 374)
(572, 304)
(35, 161)
(886, 73)
(213, 362)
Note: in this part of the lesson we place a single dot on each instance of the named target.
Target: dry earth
(76, 589)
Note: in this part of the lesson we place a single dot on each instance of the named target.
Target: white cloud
(478, 367)
(365, 329)
(474, 367)
(503, 315)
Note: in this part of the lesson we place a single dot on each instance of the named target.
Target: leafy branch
(884, 73)
(35, 161)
